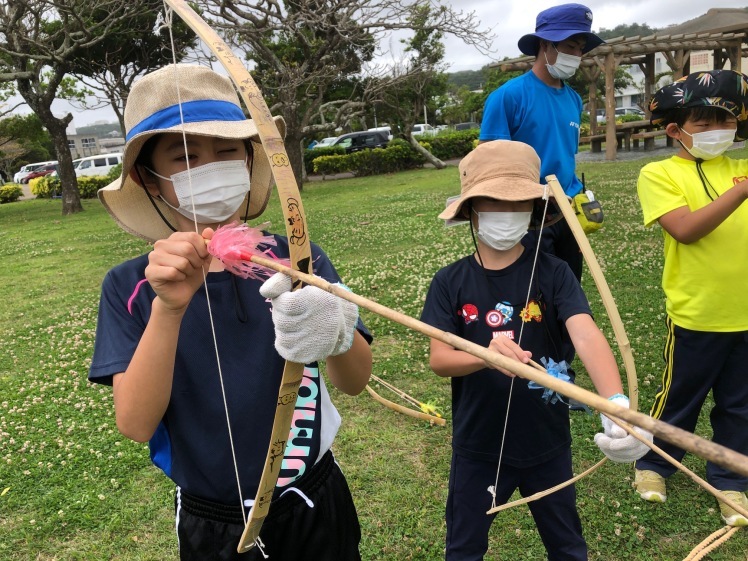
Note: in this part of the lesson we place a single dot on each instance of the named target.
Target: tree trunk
(430, 158)
(71, 202)
(295, 155)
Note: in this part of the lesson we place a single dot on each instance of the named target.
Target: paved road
(26, 192)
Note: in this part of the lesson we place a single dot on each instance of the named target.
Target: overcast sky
(510, 19)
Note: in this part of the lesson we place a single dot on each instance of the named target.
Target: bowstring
(167, 23)
(492, 490)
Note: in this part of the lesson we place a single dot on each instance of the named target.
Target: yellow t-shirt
(706, 282)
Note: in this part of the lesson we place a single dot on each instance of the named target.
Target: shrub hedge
(47, 187)
(10, 192)
(399, 155)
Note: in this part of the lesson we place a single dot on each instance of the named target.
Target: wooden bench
(649, 138)
(596, 141)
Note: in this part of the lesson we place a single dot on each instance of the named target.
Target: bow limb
(424, 407)
(701, 447)
(547, 492)
(299, 247)
(609, 303)
(404, 410)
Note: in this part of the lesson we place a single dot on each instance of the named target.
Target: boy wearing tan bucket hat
(159, 314)
(498, 298)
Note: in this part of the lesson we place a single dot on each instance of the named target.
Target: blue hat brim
(530, 43)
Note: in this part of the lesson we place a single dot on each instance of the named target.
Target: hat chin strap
(153, 202)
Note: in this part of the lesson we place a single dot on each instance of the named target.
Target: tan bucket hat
(210, 107)
(503, 170)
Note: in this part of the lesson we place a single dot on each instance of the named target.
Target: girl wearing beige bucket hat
(524, 305)
(195, 372)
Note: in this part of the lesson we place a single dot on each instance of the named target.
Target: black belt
(232, 514)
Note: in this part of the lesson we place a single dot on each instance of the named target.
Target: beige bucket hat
(503, 170)
(210, 107)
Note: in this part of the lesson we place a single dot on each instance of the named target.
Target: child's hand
(623, 449)
(508, 348)
(175, 268)
(310, 324)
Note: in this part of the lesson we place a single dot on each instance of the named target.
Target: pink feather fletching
(234, 245)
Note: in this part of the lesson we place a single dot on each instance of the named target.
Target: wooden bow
(298, 236)
(423, 414)
(701, 447)
(609, 303)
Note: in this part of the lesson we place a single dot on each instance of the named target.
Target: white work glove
(609, 427)
(618, 445)
(310, 324)
(623, 450)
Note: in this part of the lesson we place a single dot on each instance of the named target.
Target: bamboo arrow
(701, 447)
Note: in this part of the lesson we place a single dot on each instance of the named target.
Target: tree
(472, 79)
(627, 30)
(39, 40)
(417, 82)
(139, 46)
(23, 140)
(462, 105)
(310, 55)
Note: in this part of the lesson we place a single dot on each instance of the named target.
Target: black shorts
(328, 530)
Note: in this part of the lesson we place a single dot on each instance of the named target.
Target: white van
(98, 165)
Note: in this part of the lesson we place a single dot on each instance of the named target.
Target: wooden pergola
(725, 33)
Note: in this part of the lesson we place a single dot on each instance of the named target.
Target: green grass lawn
(72, 488)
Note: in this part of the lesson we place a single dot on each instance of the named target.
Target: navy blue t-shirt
(478, 305)
(191, 445)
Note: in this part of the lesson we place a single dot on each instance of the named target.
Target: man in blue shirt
(539, 109)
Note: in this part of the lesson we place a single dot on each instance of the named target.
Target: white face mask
(502, 230)
(710, 144)
(210, 193)
(565, 66)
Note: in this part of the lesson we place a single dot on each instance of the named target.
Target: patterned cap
(716, 88)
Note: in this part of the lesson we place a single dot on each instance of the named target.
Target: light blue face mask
(210, 193)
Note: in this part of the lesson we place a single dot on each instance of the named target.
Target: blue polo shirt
(527, 110)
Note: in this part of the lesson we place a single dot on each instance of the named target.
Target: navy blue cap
(559, 23)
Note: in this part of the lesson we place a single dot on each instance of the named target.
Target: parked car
(422, 129)
(22, 173)
(621, 111)
(466, 126)
(76, 163)
(325, 142)
(355, 141)
(386, 129)
(40, 172)
(98, 165)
